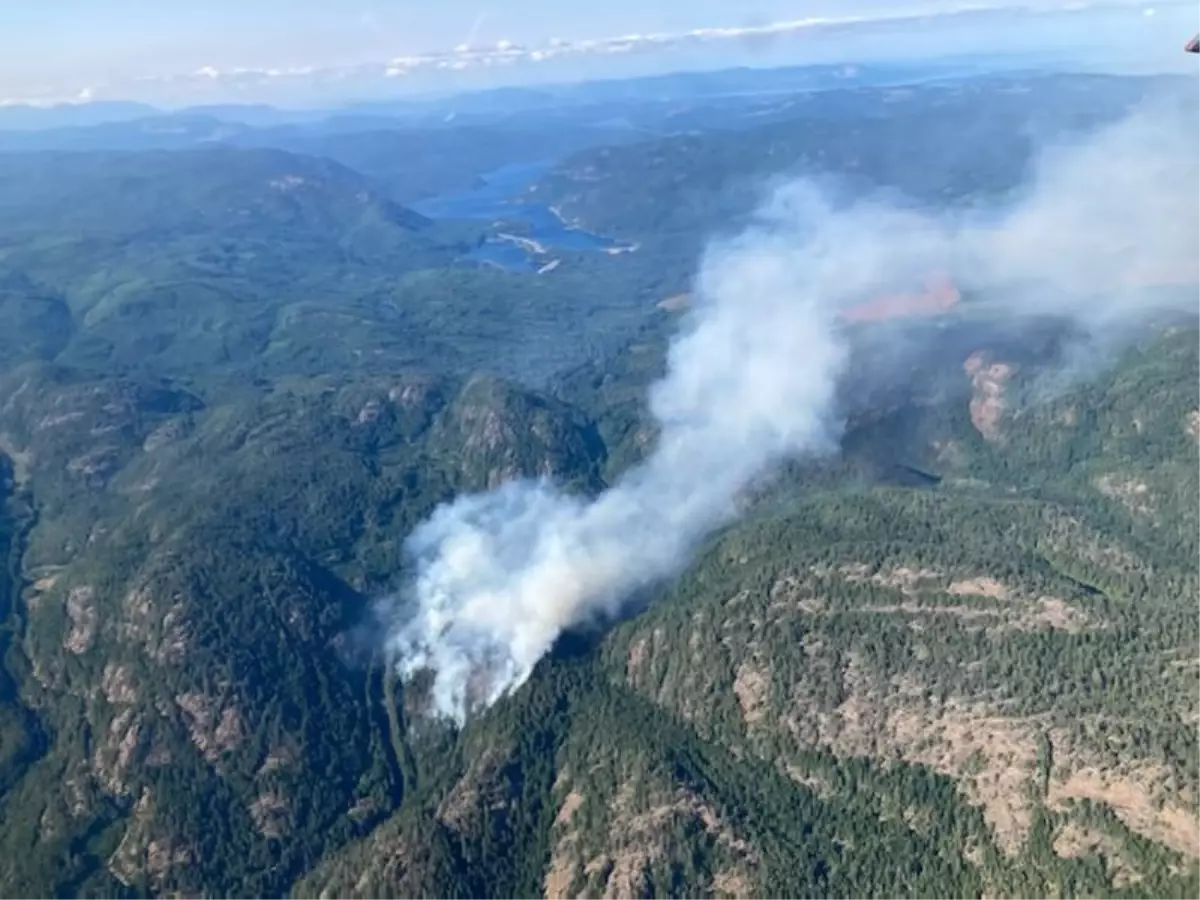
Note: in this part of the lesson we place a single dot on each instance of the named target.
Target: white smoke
(753, 381)
(1106, 215)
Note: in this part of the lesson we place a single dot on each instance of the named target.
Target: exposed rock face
(1128, 490)
(117, 685)
(214, 730)
(145, 852)
(1192, 425)
(159, 629)
(270, 813)
(641, 820)
(81, 610)
(116, 752)
(988, 405)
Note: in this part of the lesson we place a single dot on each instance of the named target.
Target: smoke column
(499, 576)
(752, 381)
(1106, 215)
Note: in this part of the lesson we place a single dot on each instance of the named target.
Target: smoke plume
(1104, 217)
(753, 379)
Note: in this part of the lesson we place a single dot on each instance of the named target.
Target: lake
(501, 197)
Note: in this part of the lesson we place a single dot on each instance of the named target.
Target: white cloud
(468, 56)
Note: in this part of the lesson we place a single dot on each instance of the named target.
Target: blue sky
(231, 50)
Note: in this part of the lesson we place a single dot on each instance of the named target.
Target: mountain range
(954, 656)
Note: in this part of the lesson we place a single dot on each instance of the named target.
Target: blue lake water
(502, 197)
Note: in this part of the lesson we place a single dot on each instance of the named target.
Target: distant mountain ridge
(20, 124)
(31, 117)
(957, 657)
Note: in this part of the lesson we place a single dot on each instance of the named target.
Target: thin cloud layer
(504, 53)
(507, 55)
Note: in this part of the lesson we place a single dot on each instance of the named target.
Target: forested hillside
(958, 655)
(958, 143)
(224, 263)
(992, 678)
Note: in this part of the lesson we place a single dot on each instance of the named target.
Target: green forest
(959, 657)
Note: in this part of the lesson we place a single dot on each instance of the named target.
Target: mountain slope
(193, 586)
(992, 682)
(989, 679)
(957, 657)
(224, 264)
(579, 788)
(973, 139)
(218, 191)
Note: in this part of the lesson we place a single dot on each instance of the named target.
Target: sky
(290, 50)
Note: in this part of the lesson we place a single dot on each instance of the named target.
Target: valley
(499, 200)
(943, 643)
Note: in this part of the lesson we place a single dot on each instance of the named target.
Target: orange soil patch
(1131, 796)
(939, 295)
